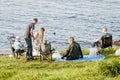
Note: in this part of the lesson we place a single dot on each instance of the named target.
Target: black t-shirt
(28, 29)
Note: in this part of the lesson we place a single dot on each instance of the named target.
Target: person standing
(28, 38)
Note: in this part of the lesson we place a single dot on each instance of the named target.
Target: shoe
(62, 57)
(32, 58)
(27, 59)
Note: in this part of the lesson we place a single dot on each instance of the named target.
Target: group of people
(73, 52)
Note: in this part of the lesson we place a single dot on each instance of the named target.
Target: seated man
(106, 39)
(74, 50)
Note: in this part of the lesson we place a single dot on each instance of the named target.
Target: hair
(42, 28)
(105, 28)
(71, 38)
(41, 34)
(35, 19)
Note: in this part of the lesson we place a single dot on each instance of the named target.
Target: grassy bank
(19, 69)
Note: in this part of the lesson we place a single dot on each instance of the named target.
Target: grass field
(19, 69)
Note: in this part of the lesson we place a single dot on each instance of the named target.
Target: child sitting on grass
(93, 50)
(17, 46)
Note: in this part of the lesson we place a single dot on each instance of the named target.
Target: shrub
(109, 68)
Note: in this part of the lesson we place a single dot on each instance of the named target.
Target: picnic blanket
(85, 58)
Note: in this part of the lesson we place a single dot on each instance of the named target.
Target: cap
(93, 44)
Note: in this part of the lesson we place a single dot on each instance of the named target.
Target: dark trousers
(71, 58)
(17, 51)
(29, 48)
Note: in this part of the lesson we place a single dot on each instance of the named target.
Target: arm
(81, 54)
(67, 53)
(36, 35)
(32, 35)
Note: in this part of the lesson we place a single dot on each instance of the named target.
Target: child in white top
(117, 53)
(17, 46)
(93, 50)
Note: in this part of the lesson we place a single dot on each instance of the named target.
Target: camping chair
(46, 52)
(11, 39)
(106, 42)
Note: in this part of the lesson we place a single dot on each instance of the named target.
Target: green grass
(19, 69)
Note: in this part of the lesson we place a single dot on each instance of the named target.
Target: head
(42, 29)
(93, 44)
(41, 32)
(35, 20)
(104, 30)
(17, 38)
(71, 40)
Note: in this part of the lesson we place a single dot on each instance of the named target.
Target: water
(82, 19)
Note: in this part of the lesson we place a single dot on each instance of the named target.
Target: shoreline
(4, 55)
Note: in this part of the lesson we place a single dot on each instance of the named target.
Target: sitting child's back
(17, 45)
(93, 50)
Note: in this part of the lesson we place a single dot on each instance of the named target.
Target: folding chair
(106, 41)
(11, 39)
(46, 52)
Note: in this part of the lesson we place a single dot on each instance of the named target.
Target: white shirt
(117, 53)
(17, 45)
(93, 52)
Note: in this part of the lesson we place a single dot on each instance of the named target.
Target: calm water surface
(82, 19)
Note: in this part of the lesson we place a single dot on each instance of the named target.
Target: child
(117, 53)
(17, 46)
(93, 50)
